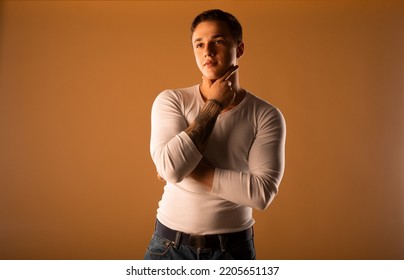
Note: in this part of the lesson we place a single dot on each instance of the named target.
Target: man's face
(214, 48)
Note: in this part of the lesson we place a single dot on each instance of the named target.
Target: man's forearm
(202, 127)
(204, 174)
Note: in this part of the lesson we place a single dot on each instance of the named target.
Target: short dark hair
(219, 15)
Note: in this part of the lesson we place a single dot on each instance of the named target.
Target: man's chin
(214, 72)
(212, 76)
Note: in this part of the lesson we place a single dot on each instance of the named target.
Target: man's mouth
(209, 63)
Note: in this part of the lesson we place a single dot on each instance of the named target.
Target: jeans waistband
(212, 241)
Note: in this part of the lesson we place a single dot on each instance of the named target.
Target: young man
(220, 150)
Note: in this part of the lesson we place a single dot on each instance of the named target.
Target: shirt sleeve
(172, 151)
(266, 161)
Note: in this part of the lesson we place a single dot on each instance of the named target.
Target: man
(220, 150)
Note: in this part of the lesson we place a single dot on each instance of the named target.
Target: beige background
(77, 80)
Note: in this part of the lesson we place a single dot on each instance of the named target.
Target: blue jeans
(164, 249)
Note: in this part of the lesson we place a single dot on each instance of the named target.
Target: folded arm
(257, 187)
(173, 152)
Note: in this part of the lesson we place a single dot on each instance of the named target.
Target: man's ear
(240, 49)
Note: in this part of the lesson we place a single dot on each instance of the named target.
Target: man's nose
(209, 50)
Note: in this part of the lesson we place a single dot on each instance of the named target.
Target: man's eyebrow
(213, 37)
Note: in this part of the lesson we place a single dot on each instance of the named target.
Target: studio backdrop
(77, 81)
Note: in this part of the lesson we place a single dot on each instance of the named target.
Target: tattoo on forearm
(200, 130)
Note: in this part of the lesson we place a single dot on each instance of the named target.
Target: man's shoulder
(263, 107)
(180, 98)
(259, 102)
(183, 90)
(176, 94)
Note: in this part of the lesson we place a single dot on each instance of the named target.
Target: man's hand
(204, 173)
(221, 89)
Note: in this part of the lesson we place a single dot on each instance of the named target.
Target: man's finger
(230, 72)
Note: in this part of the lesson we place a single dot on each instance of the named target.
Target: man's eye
(218, 42)
(198, 45)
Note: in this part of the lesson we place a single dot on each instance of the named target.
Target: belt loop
(222, 241)
(177, 239)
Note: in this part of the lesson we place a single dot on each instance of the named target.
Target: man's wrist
(217, 102)
(201, 128)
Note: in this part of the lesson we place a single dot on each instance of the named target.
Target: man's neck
(234, 84)
(240, 93)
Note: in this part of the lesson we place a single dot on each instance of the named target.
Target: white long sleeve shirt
(246, 147)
